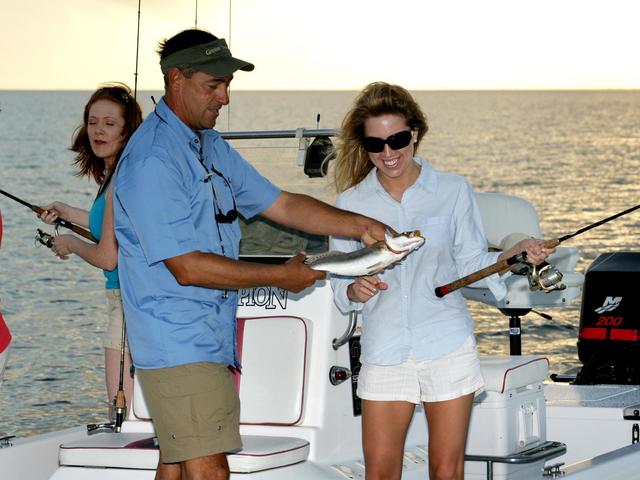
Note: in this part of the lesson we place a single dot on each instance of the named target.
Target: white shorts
(115, 315)
(452, 376)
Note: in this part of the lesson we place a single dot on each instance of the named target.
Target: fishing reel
(44, 238)
(545, 277)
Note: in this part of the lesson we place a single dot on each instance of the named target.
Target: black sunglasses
(232, 215)
(396, 142)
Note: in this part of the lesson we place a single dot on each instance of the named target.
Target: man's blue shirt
(164, 206)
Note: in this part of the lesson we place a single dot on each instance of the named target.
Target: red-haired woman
(110, 117)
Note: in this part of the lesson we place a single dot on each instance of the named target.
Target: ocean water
(574, 154)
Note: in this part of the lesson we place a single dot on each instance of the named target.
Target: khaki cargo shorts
(195, 410)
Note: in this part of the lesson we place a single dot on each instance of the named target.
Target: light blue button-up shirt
(408, 318)
(164, 208)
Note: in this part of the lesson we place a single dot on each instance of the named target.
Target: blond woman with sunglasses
(416, 348)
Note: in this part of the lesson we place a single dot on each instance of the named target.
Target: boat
(301, 417)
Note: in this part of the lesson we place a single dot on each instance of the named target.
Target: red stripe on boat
(593, 333)
(625, 334)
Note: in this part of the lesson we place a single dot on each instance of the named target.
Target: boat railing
(544, 451)
(348, 333)
(263, 134)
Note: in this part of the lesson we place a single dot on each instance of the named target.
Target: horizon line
(537, 89)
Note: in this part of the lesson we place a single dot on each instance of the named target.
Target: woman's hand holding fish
(364, 288)
(297, 275)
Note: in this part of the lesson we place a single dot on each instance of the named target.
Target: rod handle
(490, 270)
(67, 224)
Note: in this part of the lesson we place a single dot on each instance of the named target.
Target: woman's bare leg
(384, 429)
(448, 424)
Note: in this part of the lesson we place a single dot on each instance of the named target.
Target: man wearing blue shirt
(178, 191)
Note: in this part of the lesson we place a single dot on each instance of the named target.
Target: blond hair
(379, 98)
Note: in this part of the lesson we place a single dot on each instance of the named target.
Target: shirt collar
(427, 179)
(182, 131)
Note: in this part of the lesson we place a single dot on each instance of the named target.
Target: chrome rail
(303, 135)
(544, 451)
(344, 338)
(298, 133)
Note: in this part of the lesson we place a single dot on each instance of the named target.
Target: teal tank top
(96, 215)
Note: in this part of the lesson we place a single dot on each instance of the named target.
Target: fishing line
(229, 106)
(120, 400)
(135, 75)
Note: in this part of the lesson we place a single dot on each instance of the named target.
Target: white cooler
(508, 420)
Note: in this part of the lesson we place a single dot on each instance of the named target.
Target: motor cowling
(609, 335)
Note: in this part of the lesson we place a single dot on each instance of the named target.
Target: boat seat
(139, 450)
(509, 416)
(503, 215)
(502, 373)
(273, 353)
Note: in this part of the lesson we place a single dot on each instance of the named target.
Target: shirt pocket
(436, 230)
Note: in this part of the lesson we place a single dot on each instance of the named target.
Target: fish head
(404, 242)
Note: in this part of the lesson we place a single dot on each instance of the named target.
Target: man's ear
(175, 77)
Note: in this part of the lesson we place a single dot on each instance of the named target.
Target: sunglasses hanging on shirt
(232, 215)
(229, 217)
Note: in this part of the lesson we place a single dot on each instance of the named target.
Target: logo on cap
(211, 51)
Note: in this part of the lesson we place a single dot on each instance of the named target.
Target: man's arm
(307, 214)
(216, 271)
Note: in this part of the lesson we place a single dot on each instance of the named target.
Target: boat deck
(595, 396)
(592, 419)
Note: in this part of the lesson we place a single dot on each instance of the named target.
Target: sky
(331, 44)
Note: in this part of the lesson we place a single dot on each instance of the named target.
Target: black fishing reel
(43, 238)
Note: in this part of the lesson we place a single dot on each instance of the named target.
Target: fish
(368, 260)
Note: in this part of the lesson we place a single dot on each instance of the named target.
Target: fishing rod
(59, 222)
(520, 257)
(120, 400)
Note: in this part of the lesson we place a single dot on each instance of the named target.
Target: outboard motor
(609, 336)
